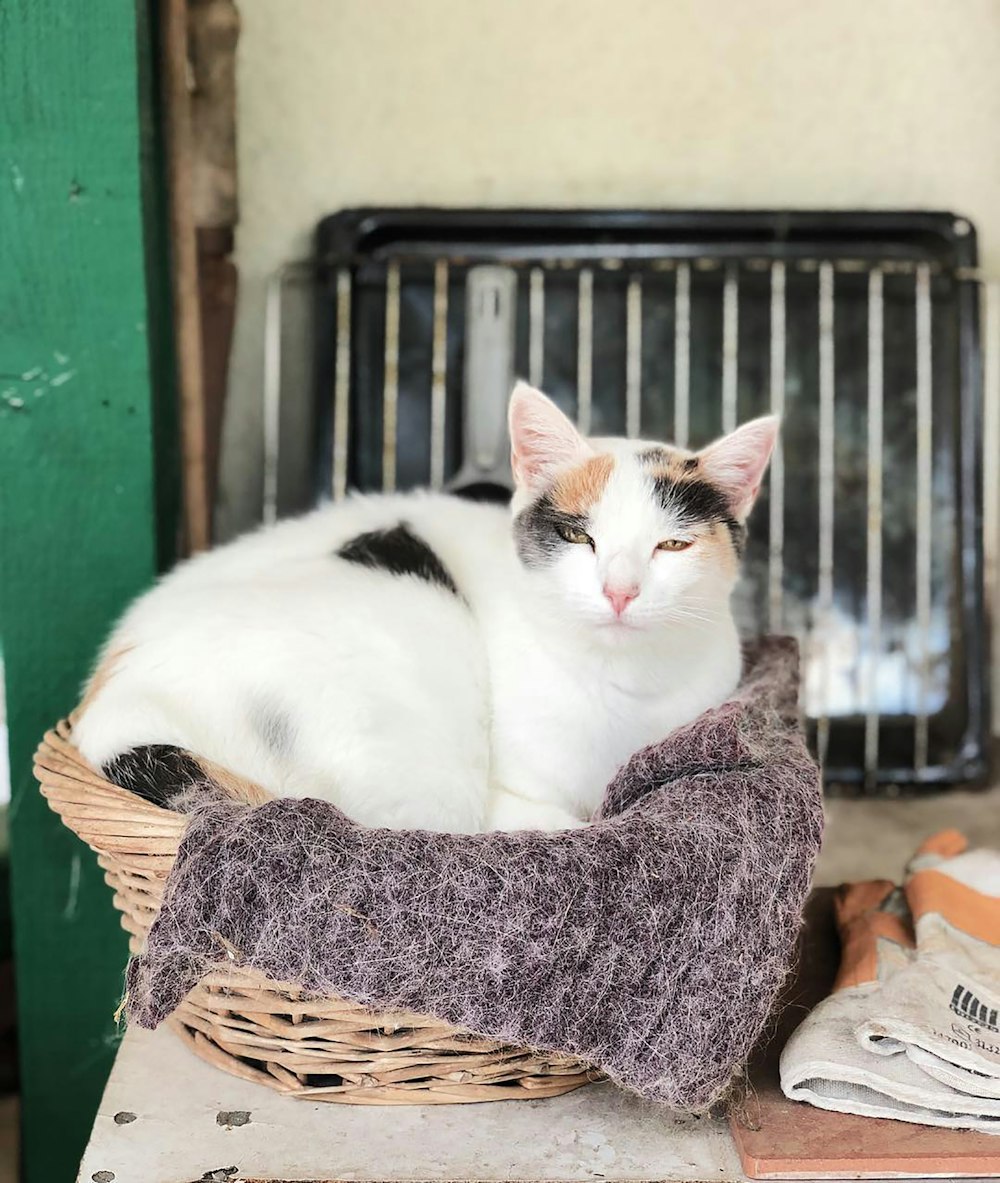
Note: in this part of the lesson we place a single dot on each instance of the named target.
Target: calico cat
(424, 661)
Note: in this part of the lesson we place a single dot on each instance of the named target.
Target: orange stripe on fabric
(859, 947)
(946, 843)
(962, 906)
(861, 925)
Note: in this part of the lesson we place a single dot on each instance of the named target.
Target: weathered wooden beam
(199, 40)
(184, 254)
(213, 32)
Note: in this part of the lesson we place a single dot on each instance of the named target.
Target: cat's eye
(675, 544)
(568, 534)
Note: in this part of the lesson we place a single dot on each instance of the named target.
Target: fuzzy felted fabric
(651, 943)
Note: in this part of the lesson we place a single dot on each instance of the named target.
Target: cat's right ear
(736, 463)
(543, 441)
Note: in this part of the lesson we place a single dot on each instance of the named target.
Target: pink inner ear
(542, 440)
(738, 461)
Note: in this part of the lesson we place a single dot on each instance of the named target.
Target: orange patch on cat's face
(577, 491)
(718, 550)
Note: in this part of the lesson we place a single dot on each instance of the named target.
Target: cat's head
(630, 535)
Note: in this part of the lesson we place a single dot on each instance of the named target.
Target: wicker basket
(325, 1049)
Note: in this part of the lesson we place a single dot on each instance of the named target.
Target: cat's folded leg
(507, 810)
(172, 778)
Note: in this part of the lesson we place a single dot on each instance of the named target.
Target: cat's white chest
(561, 731)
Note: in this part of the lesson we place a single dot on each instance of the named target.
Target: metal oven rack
(861, 329)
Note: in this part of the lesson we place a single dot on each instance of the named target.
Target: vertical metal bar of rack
(682, 354)
(585, 349)
(776, 553)
(439, 372)
(633, 358)
(730, 347)
(390, 381)
(972, 757)
(874, 523)
(342, 385)
(991, 475)
(272, 394)
(536, 327)
(925, 476)
(827, 436)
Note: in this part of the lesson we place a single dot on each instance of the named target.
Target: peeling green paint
(76, 385)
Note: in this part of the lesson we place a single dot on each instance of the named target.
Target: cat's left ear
(543, 441)
(736, 463)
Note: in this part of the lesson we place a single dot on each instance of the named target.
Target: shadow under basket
(323, 1049)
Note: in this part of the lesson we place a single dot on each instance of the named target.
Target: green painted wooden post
(77, 495)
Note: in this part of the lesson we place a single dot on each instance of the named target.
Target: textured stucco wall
(597, 102)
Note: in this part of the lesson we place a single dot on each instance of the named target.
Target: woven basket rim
(263, 1030)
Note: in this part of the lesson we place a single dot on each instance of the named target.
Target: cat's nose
(621, 596)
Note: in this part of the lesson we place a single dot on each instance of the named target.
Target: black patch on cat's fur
(659, 454)
(695, 501)
(159, 773)
(654, 455)
(272, 726)
(738, 535)
(699, 501)
(400, 552)
(536, 531)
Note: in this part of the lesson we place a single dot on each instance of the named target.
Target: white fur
(405, 705)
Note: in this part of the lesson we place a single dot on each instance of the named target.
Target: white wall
(842, 103)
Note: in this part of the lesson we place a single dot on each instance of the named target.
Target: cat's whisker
(698, 622)
(707, 616)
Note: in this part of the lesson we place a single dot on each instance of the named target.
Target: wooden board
(77, 536)
(168, 1117)
(793, 1140)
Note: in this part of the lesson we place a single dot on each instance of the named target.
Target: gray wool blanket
(651, 943)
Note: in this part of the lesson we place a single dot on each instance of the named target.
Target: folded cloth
(845, 1056)
(943, 1012)
(651, 943)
